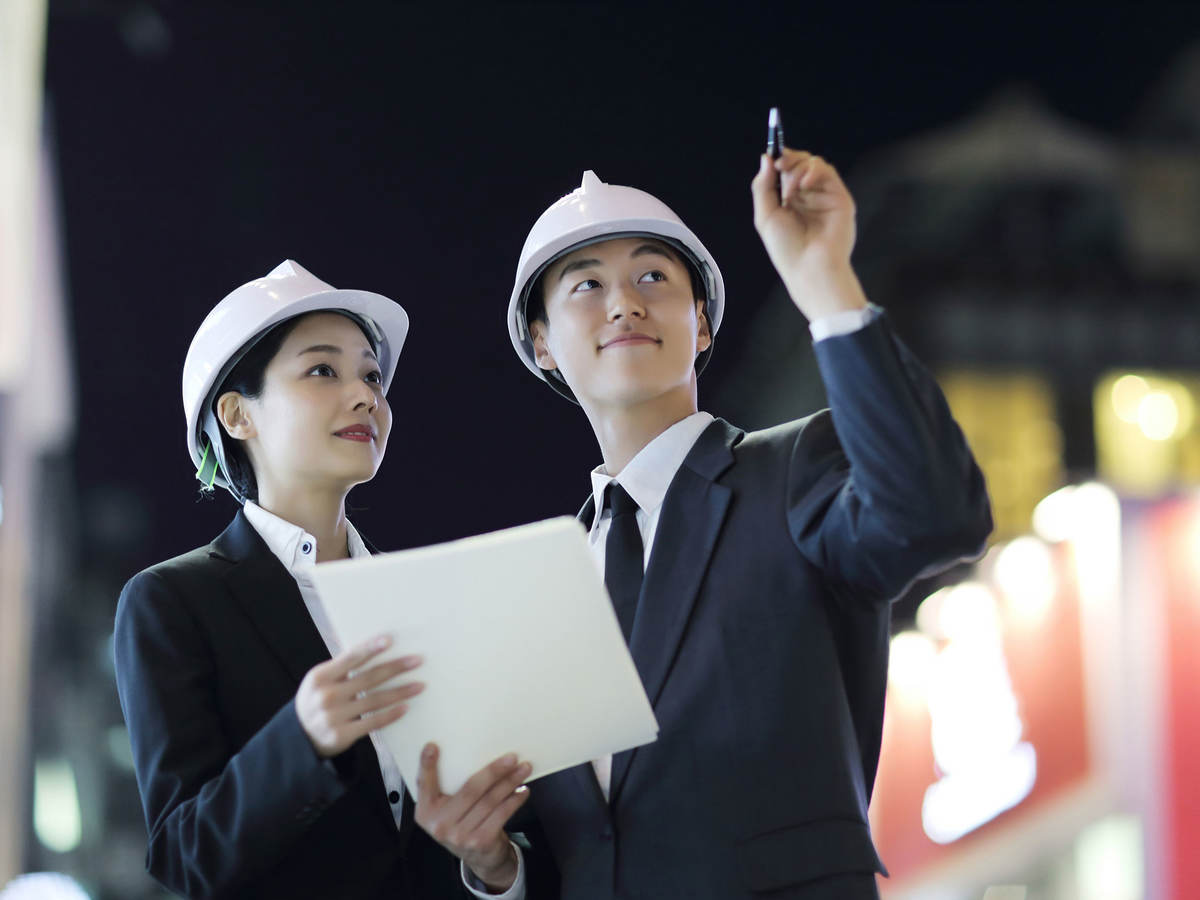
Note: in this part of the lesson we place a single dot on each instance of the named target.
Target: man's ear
(234, 416)
(703, 333)
(541, 351)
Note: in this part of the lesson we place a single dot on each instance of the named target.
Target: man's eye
(588, 284)
(652, 275)
(375, 377)
(324, 370)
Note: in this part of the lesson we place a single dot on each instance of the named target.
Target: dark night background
(407, 150)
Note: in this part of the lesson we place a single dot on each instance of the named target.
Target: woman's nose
(365, 396)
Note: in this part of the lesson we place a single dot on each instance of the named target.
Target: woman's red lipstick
(361, 433)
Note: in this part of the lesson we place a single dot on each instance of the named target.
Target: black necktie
(623, 557)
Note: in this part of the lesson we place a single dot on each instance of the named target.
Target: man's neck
(322, 513)
(622, 431)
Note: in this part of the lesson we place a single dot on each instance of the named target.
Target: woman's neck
(321, 513)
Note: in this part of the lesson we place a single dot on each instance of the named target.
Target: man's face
(622, 325)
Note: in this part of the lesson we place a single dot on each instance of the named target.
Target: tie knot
(619, 501)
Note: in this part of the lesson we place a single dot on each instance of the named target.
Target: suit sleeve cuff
(841, 323)
(478, 889)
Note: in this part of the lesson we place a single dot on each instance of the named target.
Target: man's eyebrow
(642, 250)
(575, 266)
(331, 348)
(656, 249)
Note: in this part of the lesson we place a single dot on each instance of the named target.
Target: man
(752, 572)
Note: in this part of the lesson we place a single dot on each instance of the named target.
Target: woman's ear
(541, 352)
(703, 334)
(234, 416)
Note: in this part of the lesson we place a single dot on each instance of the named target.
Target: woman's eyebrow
(331, 348)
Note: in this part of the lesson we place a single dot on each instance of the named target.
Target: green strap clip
(207, 473)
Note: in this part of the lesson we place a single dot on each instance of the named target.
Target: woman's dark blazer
(210, 650)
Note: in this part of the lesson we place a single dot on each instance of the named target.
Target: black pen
(775, 141)
(774, 134)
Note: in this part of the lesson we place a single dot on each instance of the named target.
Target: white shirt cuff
(846, 322)
(477, 887)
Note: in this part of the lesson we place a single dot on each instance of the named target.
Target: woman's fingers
(337, 702)
(495, 799)
(348, 661)
(379, 700)
(365, 679)
(470, 824)
(364, 725)
(505, 811)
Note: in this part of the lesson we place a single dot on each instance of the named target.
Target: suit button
(394, 797)
(606, 833)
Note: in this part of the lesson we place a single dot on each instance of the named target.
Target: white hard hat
(237, 323)
(595, 212)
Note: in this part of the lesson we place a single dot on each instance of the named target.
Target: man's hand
(470, 824)
(805, 217)
(336, 704)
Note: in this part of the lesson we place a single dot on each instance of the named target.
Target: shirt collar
(648, 475)
(291, 544)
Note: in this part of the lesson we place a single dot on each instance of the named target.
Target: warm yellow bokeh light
(1147, 442)
(1127, 394)
(1158, 416)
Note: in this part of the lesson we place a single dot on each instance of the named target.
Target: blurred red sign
(995, 727)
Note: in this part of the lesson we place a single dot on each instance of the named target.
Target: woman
(245, 732)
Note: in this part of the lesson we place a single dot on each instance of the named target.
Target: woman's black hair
(246, 378)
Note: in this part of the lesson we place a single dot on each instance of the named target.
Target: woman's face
(321, 420)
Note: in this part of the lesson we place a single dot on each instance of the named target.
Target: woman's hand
(336, 702)
(470, 824)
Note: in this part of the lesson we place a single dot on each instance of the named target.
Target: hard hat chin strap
(213, 471)
(209, 467)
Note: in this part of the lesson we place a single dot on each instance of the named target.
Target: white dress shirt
(297, 550)
(645, 478)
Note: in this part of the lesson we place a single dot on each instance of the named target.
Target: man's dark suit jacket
(210, 650)
(762, 640)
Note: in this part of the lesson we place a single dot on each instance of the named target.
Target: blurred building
(1040, 738)
(1023, 257)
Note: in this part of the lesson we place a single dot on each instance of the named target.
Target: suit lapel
(270, 598)
(693, 511)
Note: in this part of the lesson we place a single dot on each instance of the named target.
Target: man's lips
(629, 338)
(363, 433)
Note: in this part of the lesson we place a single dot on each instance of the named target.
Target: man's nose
(624, 301)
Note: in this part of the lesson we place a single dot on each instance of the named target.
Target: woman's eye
(652, 275)
(324, 370)
(588, 284)
(375, 377)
